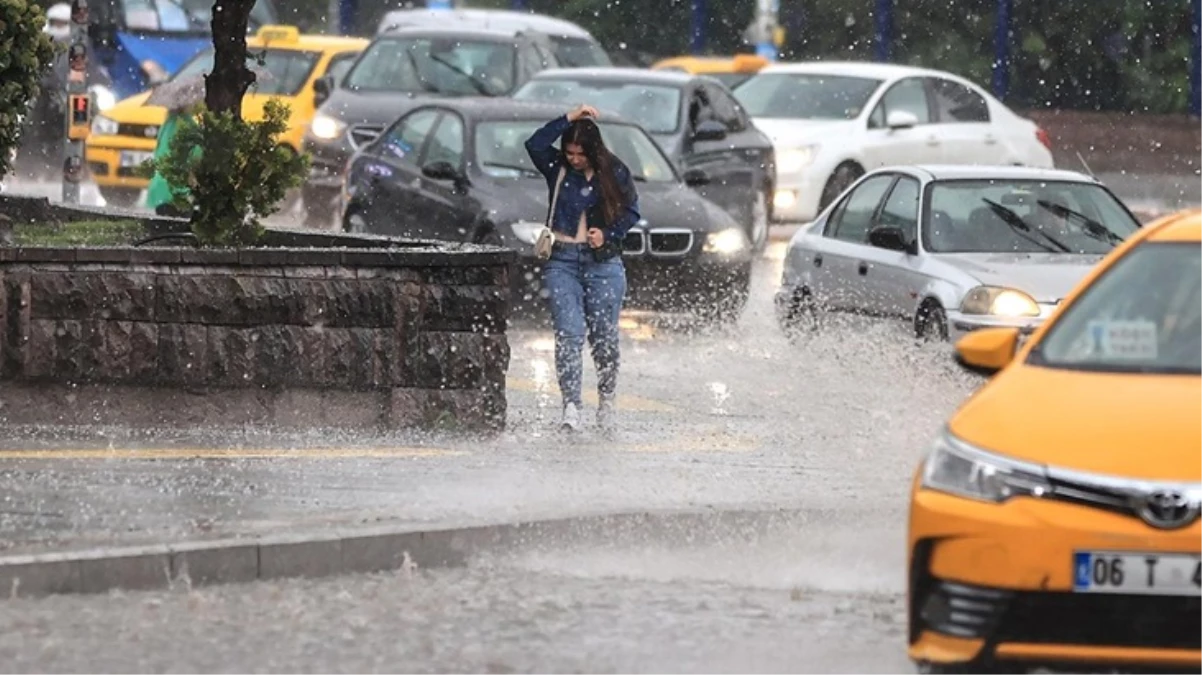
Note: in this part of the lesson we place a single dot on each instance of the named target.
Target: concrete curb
(353, 550)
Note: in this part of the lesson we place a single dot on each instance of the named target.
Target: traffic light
(81, 117)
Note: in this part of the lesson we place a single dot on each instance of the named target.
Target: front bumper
(960, 324)
(103, 156)
(994, 583)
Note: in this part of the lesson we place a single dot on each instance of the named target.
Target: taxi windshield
(1142, 315)
(287, 69)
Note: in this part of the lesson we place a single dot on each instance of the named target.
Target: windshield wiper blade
(1021, 227)
(476, 84)
(1091, 227)
(639, 179)
(417, 73)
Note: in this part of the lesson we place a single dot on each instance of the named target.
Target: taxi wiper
(1091, 227)
(1021, 228)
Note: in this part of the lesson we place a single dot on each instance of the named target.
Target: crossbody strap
(555, 198)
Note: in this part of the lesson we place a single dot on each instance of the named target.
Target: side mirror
(709, 130)
(442, 171)
(901, 119)
(322, 87)
(987, 350)
(889, 238)
(696, 178)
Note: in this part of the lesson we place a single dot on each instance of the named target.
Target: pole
(1195, 70)
(884, 29)
(697, 43)
(79, 103)
(1001, 50)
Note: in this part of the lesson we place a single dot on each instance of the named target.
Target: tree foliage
(235, 172)
(25, 53)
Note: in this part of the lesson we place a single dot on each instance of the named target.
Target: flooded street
(713, 419)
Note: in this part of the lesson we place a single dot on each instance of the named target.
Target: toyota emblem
(1167, 509)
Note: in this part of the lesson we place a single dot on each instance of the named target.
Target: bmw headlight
(731, 240)
(104, 126)
(956, 467)
(999, 302)
(326, 128)
(792, 160)
(527, 231)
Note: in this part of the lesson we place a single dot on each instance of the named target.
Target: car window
(1023, 216)
(446, 143)
(909, 95)
(1141, 315)
(435, 65)
(186, 16)
(805, 96)
(574, 52)
(288, 69)
(405, 139)
(726, 109)
(901, 208)
(340, 64)
(654, 107)
(955, 102)
(501, 151)
(855, 217)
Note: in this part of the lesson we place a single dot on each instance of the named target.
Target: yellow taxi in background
(730, 71)
(1055, 520)
(124, 136)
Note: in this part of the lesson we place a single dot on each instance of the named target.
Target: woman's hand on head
(583, 111)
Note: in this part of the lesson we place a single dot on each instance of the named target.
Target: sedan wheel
(845, 174)
(799, 318)
(931, 324)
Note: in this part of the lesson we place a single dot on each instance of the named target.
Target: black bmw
(457, 169)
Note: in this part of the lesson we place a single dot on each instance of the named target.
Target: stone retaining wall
(311, 337)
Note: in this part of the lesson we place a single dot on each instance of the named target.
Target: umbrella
(180, 93)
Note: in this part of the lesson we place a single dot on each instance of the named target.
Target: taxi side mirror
(987, 350)
(322, 87)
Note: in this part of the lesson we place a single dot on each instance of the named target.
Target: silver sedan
(949, 249)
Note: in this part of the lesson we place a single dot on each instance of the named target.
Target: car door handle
(990, 139)
(818, 260)
(933, 140)
(863, 269)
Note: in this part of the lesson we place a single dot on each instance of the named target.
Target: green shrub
(25, 53)
(238, 177)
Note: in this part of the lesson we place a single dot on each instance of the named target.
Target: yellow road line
(228, 453)
(624, 402)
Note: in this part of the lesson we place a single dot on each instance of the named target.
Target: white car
(831, 122)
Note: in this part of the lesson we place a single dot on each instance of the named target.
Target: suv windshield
(655, 108)
(435, 65)
(1006, 216)
(805, 96)
(287, 69)
(579, 53)
(501, 150)
(1142, 315)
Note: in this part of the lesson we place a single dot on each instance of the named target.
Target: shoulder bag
(546, 238)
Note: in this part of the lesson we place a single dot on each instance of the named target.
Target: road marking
(711, 442)
(624, 402)
(229, 453)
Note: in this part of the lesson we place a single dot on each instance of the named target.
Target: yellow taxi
(731, 71)
(1054, 521)
(124, 136)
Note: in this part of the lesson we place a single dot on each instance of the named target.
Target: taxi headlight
(104, 126)
(958, 468)
(326, 128)
(999, 302)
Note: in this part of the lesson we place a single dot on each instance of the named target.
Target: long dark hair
(585, 133)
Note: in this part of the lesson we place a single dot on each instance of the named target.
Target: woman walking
(594, 204)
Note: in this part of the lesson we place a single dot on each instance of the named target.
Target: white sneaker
(606, 415)
(571, 418)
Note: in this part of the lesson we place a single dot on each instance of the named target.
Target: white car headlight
(792, 160)
(958, 468)
(326, 127)
(999, 302)
(527, 230)
(104, 97)
(104, 126)
(731, 240)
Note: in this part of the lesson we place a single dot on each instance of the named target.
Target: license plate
(134, 159)
(1137, 573)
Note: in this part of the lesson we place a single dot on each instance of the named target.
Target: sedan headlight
(999, 302)
(792, 160)
(527, 231)
(327, 128)
(956, 467)
(730, 240)
(104, 126)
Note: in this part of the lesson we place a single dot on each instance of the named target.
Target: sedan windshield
(1005, 216)
(435, 65)
(805, 96)
(1142, 315)
(501, 150)
(655, 108)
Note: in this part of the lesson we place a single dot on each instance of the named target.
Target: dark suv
(400, 69)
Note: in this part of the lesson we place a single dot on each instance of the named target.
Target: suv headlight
(731, 240)
(326, 128)
(958, 468)
(792, 160)
(104, 126)
(999, 302)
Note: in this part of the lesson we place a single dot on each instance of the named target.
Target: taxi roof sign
(279, 33)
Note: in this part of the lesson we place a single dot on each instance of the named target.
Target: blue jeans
(586, 297)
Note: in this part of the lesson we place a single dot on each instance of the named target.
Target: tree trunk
(227, 84)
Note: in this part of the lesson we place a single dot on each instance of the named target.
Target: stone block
(229, 357)
(129, 571)
(465, 308)
(299, 558)
(449, 360)
(144, 351)
(93, 295)
(182, 354)
(37, 576)
(39, 359)
(215, 563)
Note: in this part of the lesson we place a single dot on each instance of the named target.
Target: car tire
(757, 228)
(122, 198)
(844, 175)
(930, 325)
(799, 317)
